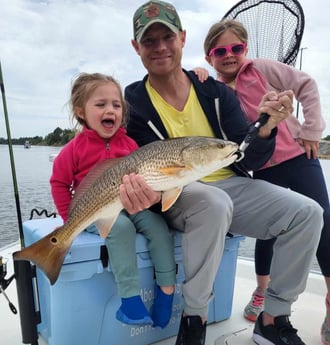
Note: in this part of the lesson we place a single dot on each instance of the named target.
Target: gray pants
(254, 208)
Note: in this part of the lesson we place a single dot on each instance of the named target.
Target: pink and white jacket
(76, 159)
(258, 76)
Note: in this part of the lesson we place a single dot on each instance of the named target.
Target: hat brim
(154, 21)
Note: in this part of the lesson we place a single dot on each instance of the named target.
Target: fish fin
(47, 254)
(170, 197)
(173, 170)
(104, 225)
(96, 172)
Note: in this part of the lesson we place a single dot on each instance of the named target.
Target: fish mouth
(232, 153)
(236, 152)
(239, 155)
(234, 149)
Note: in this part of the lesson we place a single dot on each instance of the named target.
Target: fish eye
(53, 240)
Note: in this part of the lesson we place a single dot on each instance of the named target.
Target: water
(33, 170)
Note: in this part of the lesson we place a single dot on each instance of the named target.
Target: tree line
(58, 137)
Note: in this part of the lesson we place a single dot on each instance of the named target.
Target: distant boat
(27, 144)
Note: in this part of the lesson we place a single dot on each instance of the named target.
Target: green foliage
(58, 137)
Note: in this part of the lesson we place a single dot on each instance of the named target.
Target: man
(171, 102)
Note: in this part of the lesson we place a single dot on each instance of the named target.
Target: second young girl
(294, 163)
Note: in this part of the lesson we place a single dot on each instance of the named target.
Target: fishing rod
(24, 272)
(12, 163)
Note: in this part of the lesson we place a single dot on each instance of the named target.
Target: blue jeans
(304, 176)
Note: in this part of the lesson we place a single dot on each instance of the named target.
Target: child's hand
(201, 73)
(311, 147)
(278, 107)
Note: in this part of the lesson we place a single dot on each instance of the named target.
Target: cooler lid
(85, 247)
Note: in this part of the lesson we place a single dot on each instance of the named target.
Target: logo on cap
(155, 12)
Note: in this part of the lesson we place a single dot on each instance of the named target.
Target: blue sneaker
(121, 316)
(161, 309)
(133, 311)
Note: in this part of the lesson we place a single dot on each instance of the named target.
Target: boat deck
(307, 314)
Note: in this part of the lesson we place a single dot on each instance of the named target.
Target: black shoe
(281, 333)
(192, 331)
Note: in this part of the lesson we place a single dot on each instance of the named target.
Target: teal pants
(121, 245)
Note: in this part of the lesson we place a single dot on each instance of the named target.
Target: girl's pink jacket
(77, 158)
(258, 76)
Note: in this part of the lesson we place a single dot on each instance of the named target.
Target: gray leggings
(254, 208)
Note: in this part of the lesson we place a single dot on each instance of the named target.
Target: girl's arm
(61, 182)
(284, 77)
(201, 73)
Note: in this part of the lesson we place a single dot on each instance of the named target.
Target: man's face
(160, 49)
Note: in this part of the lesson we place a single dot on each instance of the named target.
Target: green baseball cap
(155, 12)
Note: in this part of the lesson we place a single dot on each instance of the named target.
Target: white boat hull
(307, 314)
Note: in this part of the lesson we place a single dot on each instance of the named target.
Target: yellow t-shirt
(191, 121)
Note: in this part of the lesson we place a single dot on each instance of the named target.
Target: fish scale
(166, 166)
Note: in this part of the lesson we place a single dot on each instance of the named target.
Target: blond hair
(217, 29)
(82, 88)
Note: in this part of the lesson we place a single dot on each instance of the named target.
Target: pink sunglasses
(222, 51)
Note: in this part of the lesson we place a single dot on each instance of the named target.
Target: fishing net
(275, 27)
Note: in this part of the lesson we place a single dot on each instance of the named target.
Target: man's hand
(278, 107)
(136, 195)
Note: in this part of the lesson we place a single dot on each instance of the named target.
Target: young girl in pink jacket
(294, 163)
(99, 108)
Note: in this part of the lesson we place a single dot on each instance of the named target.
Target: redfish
(166, 166)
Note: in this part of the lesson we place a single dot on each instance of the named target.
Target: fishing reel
(251, 135)
(5, 282)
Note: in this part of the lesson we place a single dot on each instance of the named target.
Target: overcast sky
(45, 44)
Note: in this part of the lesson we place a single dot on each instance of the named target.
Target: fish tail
(47, 253)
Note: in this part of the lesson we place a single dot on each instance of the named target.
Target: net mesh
(275, 28)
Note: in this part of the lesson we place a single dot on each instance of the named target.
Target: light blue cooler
(80, 308)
